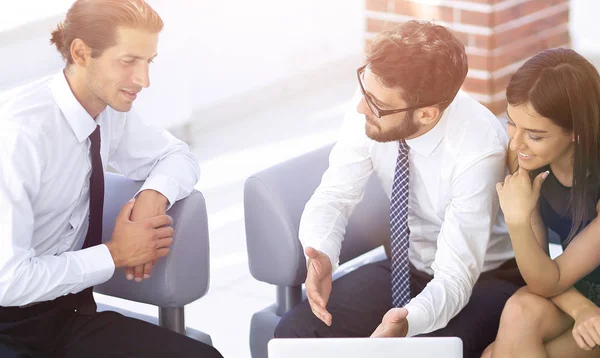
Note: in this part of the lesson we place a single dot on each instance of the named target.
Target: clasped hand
(142, 234)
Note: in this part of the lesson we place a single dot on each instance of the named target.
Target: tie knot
(95, 136)
(403, 147)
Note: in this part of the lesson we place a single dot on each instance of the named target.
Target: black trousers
(360, 299)
(61, 332)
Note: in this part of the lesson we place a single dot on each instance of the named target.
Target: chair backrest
(273, 203)
(178, 279)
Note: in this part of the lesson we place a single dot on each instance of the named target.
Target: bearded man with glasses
(439, 154)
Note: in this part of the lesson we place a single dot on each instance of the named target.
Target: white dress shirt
(456, 228)
(44, 187)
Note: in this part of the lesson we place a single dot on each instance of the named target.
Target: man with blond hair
(57, 137)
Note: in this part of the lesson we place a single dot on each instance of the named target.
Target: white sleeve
(25, 277)
(324, 220)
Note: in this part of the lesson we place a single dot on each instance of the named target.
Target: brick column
(499, 35)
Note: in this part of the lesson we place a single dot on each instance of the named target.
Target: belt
(81, 302)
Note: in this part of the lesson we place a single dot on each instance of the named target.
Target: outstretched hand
(318, 283)
(394, 324)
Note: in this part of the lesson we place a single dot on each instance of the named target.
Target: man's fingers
(138, 272)
(161, 220)
(378, 331)
(148, 269)
(399, 314)
(162, 252)
(320, 312)
(317, 305)
(129, 273)
(311, 252)
(126, 210)
(165, 231)
(316, 297)
(164, 242)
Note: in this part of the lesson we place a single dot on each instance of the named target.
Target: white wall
(212, 54)
(584, 28)
(210, 50)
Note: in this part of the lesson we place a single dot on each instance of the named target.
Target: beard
(401, 130)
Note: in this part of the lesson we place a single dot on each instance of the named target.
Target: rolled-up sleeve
(149, 153)
(461, 245)
(326, 214)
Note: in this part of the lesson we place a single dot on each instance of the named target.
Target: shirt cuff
(98, 265)
(417, 318)
(163, 184)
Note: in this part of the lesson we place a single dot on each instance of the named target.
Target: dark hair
(564, 87)
(425, 61)
(96, 21)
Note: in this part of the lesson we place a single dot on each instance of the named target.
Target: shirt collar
(78, 118)
(426, 143)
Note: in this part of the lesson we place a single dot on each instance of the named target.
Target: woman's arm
(547, 277)
(572, 302)
(539, 228)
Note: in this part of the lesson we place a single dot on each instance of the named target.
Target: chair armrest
(273, 203)
(178, 279)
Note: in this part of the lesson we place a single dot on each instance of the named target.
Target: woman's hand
(519, 196)
(586, 329)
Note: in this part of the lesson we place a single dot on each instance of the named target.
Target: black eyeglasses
(378, 112)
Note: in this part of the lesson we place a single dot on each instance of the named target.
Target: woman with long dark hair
(554, 125)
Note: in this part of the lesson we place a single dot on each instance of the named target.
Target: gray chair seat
(178, 279)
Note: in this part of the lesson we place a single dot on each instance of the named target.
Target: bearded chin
(402, 131)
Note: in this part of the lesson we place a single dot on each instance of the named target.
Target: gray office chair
(178, 279)
(273, 203)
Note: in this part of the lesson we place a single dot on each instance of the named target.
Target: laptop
(414, 347)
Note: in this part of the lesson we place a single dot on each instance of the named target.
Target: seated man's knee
(297, 323)
(284, 329)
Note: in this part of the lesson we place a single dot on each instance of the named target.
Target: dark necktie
(85, 303)
(399, 229)
(94, 234)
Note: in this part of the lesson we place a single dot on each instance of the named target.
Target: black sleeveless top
(555, 210)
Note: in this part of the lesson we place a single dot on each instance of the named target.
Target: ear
(426, 115)
(80, 52)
